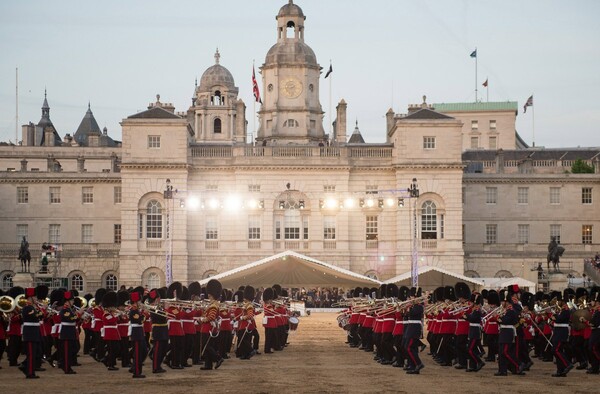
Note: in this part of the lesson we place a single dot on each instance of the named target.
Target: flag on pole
(329, 71)
(485, 84)
(529, 103)
(474, 53)
(255, 88)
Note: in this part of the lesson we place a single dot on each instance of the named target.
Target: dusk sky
(385, 53)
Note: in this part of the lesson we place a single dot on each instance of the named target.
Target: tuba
(7, 304)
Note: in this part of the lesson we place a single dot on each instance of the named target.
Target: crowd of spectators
(320, 297)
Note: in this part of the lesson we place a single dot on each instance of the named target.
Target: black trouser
(577, 345)
(448, 350)
(353, 336)
(196, 348)
(244, 343)
(506, 358)
(100, 346)
(387, 346)
(594, 348)
(255, 339)
(2, 347)
(473, 353)
(411, 345)
(224, 342)
(13, 349)
(188, 347)
(461, 349)
(113, 350)
(270, 339)
(140, 352)
(88, 337)
(31, 349)
(377, 344)
(209, 354)
(176, 356)
(125, 357)
(67, 353)
(492, 344)
(400, 350)
(562, 360)
(158, 354)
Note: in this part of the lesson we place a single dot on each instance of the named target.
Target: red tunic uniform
(175, 324)
(110, 329)
(269, 321)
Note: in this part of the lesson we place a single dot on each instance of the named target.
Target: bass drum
(293, 323)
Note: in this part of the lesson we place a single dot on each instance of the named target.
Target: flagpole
(330, 106)
(17, 106)
(253, 111)
(476, 74)
(487, 90)
(533, 124)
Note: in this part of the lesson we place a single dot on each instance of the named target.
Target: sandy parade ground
(316, 361)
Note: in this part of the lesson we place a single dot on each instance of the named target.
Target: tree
(581, 167)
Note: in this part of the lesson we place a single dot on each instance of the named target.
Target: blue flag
(474, 53)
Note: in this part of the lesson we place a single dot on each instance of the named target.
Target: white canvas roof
(499, 283)
(432, 277)
(291, 269)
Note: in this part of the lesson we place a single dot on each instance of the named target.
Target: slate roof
(154, 113)
(426, 114)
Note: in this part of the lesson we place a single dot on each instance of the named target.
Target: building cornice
(528, 179)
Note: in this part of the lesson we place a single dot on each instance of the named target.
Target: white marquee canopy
(432, 277)
(291, 269)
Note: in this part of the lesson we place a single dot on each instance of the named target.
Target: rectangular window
(474, 142)
(212, 188)
(464, 234)
(277, 229)
(140, 226)
(87, 195)
(523, 195)
(555, 195)
(371, 228)
(117, 233)
(305, 227)
(474, 125)
(328, 227)
(212, 230)
(491, 195)
(441, 226)
(254, 188)
(586, 234)
(464, 195)
(254, 227)
(22, 231)
(428, 142)
(154, 141)
(586, 195)
(87, 233)
(22, 195)
(329, 188)
(291, 225)
(54, 234)
(493, 142)
(55, 195)
(492, 125)
(555, 232)
(117, 196)
(372, 189)
(491, 233)
(523, 233)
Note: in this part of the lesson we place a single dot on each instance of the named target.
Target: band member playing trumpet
(560, 336)
(507, 337)
(68, 333)
(160, 332)
(245, 350)
(209, 325)
(110, 331)
(413, 333)
(137, 336)
(474, 362)
(31, 335)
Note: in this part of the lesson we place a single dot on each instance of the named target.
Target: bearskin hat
(69, 295)
(462, 290)
(484, 294)
(357, 292)
(239, 296)
(110, 299)
(175, 289)
(213, 288)
(449, 293)
(75, 292)
(163, 292)
(493, 298)
(185, 294)
(594, 294)
(268, 294)
(528, 300)
(504, 295)
(366, 291)
(415, 292)
(195, 289)
(392, 290)
(403, 293)
(371, 291)
(438, 294)
(99, 295)
(140, 290)
(276, 290)
(581, 292)
(382, 293)
(539, 296)
(249, 293)
(15, 291)
(57, 297)
(556, 294)
(122, 297)
(284, 293)
(477, 298)
(41, 292)
(88, 297)
(568, 294)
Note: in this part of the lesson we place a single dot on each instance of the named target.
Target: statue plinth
(23, 279)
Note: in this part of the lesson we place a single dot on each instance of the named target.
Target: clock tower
(291, 111)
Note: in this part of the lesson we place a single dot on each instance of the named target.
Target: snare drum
(293, 322)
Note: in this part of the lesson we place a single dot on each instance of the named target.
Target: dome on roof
(216, 75)
(291, 52)
(290, 9)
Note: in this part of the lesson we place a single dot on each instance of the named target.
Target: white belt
(123, 324)
(223, 319)
(174, 321)
(110, 327)
(454, 320)
(136, 325)
(492, 322)
(54, 329)
(389, 319)
(561, 325)
(131, 326)
(399, 321)
(68, 324)
(188, 321)
(507, 326)
(94, 322)
(31, 324)
(474, 325)
(414, 322)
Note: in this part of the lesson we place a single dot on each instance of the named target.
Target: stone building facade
(185, 190)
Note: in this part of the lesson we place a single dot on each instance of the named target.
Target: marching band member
(560, 336)
(474, 362)
(123, 327)
(176, 334)
(15, 320)
(577, 340)
(68, 333)
(461, 333)
(86, 325)
(269, 321)
(160, 332)
(3, 317)
(491, 328)
(31, 335)
(189, 328)
(387, 328)
(110, 329)
(507, 337)
(136, 334)
(210, 323)
(398, 331)
(594, 341)
(225, 336)
(412, 335)
(99, 352)
(246, 319)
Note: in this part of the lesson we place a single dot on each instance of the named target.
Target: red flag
(485, 83)
(255, 88)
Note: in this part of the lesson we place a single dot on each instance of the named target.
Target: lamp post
(168, 196)
(413, 191)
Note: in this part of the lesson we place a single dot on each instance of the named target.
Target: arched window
(472, 274)
(290, 29)
(503, 274)
(111, 282)
(153, 281)
(291, 123)
(77, 282)
(372, 274)
(217, 99)
(7, 281)
(428, 220)
(217, 126)
(209, 274)
(154, 219)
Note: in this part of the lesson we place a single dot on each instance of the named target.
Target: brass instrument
(83, 301)
(7, 304)
(578, 316)
(157, 310)
(21, 301)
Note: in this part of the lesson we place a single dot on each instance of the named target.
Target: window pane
(491, 195)
(22, 195)
(523, 233)
(523, 195)
(55, 195)
(555, 195)
(586, 234)
(22, 231)
(87, 195)
(586, 195)
(154, 220)
(555, 232)
(117, 195)
(111, 282)
(117, 233)
(77, 282)
(212, 230)
(86, 233)
(154, 141)
(491, 231)
(428, 220)
(54, 234)
(254, 223)
(371, 228)
(329, 227)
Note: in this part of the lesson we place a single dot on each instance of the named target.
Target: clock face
(291, 87)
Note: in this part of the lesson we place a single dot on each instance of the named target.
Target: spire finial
(158, 98)
(89, 106)
(217, 56)
(44, 92)
(196, 82)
